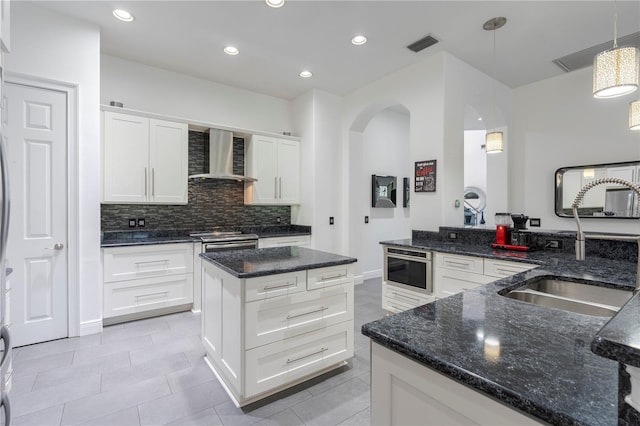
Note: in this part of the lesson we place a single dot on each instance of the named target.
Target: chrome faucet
(581, 237)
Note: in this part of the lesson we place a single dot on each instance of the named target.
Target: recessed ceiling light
(305, 74)
(275, 3)
(123, 15)
(230, 50)
(359, 40)
(479, 118)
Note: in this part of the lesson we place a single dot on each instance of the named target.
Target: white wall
(382, 150)
(51, 46)
(317, 118)
(558, 123)
(150, 89)
(475, 162)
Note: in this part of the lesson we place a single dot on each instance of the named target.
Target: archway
(378, 145)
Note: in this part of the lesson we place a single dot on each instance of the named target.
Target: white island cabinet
(404, 392)
(266, 333)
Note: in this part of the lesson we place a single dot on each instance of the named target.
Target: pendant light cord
(615, 24)
(494, 80)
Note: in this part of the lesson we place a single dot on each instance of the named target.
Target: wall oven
(408, 268)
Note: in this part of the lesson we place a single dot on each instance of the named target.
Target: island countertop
(274, 260)
(530, 357)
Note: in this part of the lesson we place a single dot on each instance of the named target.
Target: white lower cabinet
(396, 299)
(264, 334)
(404, 392)
(455, 273)
(146, 280)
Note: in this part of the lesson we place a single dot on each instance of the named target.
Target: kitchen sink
(579, 297)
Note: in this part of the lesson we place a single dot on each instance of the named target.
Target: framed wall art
(425, 176)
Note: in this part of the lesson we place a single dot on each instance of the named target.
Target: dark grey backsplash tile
(212, 203)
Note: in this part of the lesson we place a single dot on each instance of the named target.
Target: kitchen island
(492, 353)
(275, 317)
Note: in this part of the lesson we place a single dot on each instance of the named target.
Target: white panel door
(37, 245)
(169, 162)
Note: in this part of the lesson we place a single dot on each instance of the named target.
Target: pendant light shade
(494, 142)
(634, 115)
(616, 72)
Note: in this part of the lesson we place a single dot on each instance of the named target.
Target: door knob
(57, 246)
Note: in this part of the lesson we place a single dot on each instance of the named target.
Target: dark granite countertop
(275, 260)
(533, 358)
(168, 236)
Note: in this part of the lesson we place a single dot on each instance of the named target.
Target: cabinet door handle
(450, 262)
(280, 188)
(332, 277)
(289, 361)
(405, 297)
(322, 308)
(273, 287)
(152, 261)
(153, 182)
(156, 295)
(275, 187)
(145, 181)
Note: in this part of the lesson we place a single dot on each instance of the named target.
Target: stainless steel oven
(408, 268)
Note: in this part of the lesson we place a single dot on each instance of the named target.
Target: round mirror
(475, 201)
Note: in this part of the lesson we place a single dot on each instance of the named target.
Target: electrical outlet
(534, 221)
(366, 219)
(141, 222)
(278, 219)
(331, 221)
(132, 223)
(453, 235)
(554, 244)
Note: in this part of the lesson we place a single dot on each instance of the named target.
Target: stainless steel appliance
(408, 268)
(226, 240)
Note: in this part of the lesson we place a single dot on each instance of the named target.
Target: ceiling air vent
(584, 58)
(423, 43)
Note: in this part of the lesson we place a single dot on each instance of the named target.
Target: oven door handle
(228, 245)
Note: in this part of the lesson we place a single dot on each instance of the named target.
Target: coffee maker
(503, 228)
(519, 236)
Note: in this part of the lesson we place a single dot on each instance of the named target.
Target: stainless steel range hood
(221, 158)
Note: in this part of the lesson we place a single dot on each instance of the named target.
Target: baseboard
(357, 279)
(376, 273)
(90, 327)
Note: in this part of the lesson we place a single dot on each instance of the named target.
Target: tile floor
(151, 372)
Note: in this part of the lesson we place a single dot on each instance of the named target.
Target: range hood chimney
(221, 158)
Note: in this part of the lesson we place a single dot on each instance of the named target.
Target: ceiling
(276, 44)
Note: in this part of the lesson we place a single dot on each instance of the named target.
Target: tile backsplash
(212, 203)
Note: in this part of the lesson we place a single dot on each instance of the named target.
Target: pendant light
(494, 141)
(615, 71)
(634, 115)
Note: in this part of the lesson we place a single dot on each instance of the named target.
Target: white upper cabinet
(275, 163)
(144, 160)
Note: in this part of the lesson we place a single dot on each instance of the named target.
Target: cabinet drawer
(287, 316)
(325, 277)
(452, 282)
(128, 297)
(283, 362)
(501, 268)
(394, 305)
(297, 240)
(275, 285)
(460, 263)
(126, 263)
(408, 297)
